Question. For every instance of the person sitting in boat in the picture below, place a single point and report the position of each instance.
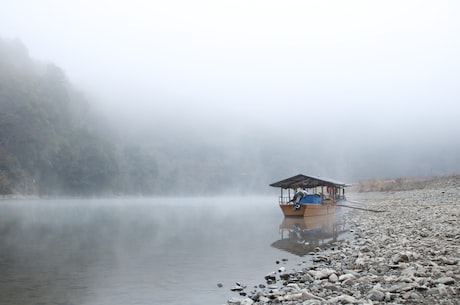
(299, 195)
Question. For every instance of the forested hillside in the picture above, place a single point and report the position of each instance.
(52, 143)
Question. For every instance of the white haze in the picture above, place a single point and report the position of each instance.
(379, 79)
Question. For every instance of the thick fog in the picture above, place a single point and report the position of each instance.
(345, 89)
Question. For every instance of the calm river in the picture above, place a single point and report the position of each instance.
(147, 251)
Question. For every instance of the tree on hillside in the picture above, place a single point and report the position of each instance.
(85, 165)
(41, 125)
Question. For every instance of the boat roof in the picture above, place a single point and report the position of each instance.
(304, 181)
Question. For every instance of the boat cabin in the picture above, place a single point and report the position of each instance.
(317, 189)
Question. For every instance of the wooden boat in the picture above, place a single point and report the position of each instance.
(311, 195)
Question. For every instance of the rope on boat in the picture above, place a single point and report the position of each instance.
(369, 210)
(359, 208)
(353, 201)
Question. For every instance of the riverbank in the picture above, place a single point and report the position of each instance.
(408, 254)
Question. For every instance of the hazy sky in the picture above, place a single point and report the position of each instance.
(357, 67)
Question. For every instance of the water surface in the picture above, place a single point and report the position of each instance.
(147, 251)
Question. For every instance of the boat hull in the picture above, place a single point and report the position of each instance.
(306, 210)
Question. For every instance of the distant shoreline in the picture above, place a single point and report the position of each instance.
(362, 186)
(18, 197)
(400, 183)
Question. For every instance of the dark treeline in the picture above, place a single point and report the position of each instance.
(53, 144)
(48, 143)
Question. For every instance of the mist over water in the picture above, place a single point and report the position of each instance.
(141, 251)
(343, 90)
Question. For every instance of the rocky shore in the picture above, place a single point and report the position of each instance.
(407, 254)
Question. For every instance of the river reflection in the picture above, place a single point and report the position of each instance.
(143, 251)
(302, 235)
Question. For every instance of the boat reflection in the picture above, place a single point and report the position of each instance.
(302, 235)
